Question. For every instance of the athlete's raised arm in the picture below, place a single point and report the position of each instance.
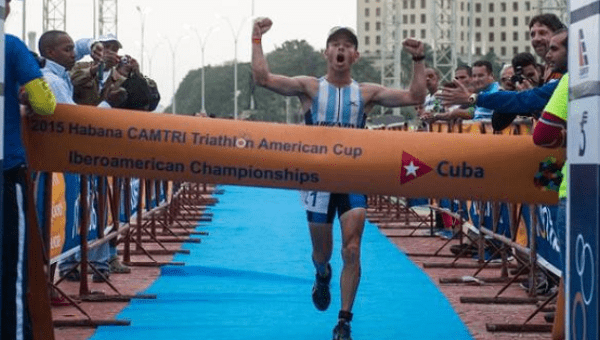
(284, 85)
(414, 95)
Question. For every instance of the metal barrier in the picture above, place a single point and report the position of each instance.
(394, 213)
(163, 213)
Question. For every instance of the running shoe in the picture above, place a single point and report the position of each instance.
(342, 331)
(320, 292)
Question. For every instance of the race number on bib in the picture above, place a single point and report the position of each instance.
(315, 201)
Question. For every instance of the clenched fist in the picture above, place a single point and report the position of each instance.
(414, 47)
(261, 26)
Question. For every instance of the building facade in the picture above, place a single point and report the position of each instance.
(499, 26)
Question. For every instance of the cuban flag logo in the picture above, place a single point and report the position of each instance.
(412, 168)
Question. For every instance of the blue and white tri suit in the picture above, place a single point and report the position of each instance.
(341, 107)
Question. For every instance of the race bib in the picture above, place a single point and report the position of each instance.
(315, 201)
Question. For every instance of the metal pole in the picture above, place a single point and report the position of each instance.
(174, 99)
(203, 110)
(235, 86)
(470, 48)
(24, 33)
(143, 19)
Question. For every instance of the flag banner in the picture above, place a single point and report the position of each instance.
(126, 143)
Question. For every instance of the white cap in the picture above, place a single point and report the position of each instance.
(110, 37)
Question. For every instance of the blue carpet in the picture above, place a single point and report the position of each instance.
(251, 278)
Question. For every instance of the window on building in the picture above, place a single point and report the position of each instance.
(462, 36)
(478, 50)
(423, 18)
(378, 11)
(462, 50)
(491, 36)
(423, 4)
(367, 26)
(528, 49)
(515, 50)
(477, 22)
(378, 26)
(527, 6)
(412, 4)
(502, 36)
(405, 19)
(491, 8)
(378, 40)
(412, 18)
(515, 36)
(366, 12)
(503, 51)
(515, 21)
(412, 33)
(492, 50)
(462, 21)
(405, 4)
(478, 7)
(404, 34)
(515, 6)
(367, 40)
(527, 36)
(491, 24)
(503, 22)
(503, 7)
(423, 34)
(478, 36)
(462, 6)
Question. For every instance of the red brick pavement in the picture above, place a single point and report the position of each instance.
(475, 316)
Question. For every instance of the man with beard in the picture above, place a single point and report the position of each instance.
(541, 29)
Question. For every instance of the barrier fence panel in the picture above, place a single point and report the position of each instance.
(530, 230)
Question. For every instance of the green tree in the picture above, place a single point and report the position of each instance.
(292, 58)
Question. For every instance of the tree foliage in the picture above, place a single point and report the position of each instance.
(293, 58)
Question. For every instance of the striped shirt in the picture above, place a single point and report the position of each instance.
(337, 106)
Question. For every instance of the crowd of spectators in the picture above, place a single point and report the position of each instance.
(524, 90)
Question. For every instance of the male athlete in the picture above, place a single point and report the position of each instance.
(337, 100)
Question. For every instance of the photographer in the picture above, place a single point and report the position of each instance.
(527, 72)
(114, 79)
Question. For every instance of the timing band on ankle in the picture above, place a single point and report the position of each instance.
(345, 315)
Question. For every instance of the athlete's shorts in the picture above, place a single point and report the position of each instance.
(321, 207)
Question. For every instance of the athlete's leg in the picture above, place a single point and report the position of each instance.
(353, 224)
(321, 236)
(322, 242)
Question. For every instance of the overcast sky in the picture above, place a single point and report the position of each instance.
(175, 19)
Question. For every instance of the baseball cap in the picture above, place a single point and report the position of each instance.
(347, 31)
(110, 37)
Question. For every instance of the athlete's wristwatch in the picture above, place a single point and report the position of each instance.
(473, 99)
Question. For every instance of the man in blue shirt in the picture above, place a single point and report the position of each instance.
(61, 53)
(483, 81)
(21, 69)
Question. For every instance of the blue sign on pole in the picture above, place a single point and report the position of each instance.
(583, 155)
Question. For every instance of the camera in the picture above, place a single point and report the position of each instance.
(518, 76)
(124, 60)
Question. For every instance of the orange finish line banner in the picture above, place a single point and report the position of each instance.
(125, 143)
